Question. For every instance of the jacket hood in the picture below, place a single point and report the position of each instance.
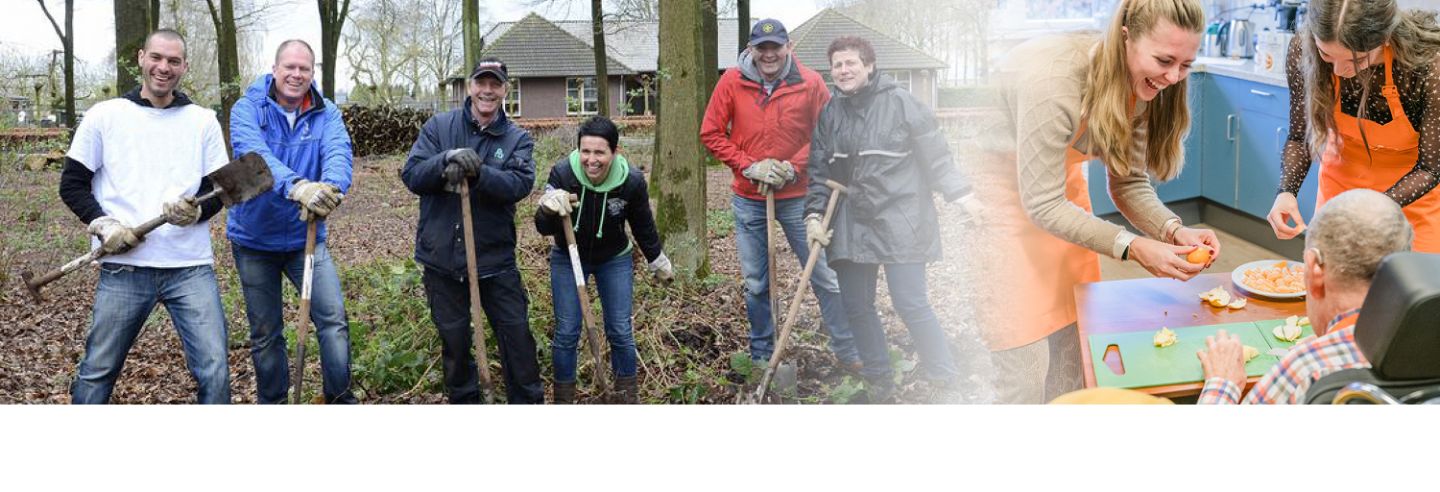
(619, 170)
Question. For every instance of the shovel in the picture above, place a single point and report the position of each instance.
(592, 338)
(304, 326)
(238, 181)
(477, 316)
(836, 189)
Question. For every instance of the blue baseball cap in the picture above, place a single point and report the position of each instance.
(768, 31)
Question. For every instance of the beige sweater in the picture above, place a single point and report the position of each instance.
(1040, 85)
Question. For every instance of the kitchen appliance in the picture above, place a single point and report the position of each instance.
(1237, 39)
(1287, 14)
(1212, 46)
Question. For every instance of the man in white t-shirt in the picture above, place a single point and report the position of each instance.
(134, 158)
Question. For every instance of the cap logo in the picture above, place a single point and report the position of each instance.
(767, 28)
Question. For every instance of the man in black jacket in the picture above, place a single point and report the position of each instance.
(476, 146)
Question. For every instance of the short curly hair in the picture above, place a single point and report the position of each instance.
(1355, 230)
(852, 43)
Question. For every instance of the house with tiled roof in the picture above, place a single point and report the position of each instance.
(552, 63)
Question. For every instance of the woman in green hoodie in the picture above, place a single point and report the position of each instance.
(596, 187)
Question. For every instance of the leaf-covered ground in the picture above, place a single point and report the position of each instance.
(688, 335)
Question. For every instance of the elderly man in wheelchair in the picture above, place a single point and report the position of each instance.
(1380, 304)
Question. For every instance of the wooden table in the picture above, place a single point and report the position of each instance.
(1120, 306)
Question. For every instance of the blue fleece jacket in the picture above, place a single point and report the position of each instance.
(317, 148)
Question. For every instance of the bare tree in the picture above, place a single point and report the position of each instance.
(438, 39)
(133, 21)
(679, 175)
(602, 69)
(742, 16)
(376, 48)
(470, 25)
(67, 37)
(332, 22)
(223, 19)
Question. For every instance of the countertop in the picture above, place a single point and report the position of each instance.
(1245, 70)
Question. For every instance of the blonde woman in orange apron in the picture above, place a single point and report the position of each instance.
(1069, 99)
(1365, 94)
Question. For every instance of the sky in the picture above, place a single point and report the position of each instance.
(25, 29)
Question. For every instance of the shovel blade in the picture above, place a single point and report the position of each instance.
(242, 179)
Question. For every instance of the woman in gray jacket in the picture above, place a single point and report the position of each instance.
(885, 147)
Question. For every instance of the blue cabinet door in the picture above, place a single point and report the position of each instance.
(1262, 136)
(1100, 202)
(1217, 135)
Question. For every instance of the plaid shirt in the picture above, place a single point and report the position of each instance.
(1302, 366)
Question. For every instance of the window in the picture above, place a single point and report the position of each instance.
(512, 101)
(1068, 9)
(901, 77)
(581, 96)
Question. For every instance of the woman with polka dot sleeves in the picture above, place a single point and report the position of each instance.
(1365, 94)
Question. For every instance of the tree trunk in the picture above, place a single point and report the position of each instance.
(470, 22)
(679, 177)
(133, 21)
(229, 60)
(70, 64)
(332, 22)
(742, 16)
(710, 47)
(154, 15)
(602, 70)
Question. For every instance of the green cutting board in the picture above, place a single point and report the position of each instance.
(1267, 328)
(1147, 365)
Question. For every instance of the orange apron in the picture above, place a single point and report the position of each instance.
(1036, 271)
(1394, 150)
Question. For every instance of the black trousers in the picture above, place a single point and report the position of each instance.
(503, 298)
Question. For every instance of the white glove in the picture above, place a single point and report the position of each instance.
(316, 200)
(766, 174)
(557, 202)
(815, 230)
(182, 212)
(661, 269)
(974, 211)
(115, 236)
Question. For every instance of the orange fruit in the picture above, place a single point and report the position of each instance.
(1200, 256)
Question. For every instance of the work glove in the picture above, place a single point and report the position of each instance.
(461, 164)
(786, 170)
(316, 200)
(182, 212)
(662, 269)
(815, 231)
(766, 175)
(115, 236)
(557, 202)
(974, 212)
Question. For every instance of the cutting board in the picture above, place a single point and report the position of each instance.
(1146, 365)
(1267, 328)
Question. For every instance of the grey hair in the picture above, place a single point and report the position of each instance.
(301, 42)
(1355, 230)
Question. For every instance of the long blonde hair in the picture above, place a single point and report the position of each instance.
(1106, 98)
(1359, 26)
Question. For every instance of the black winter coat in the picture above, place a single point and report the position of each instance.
(507, 176)
(886, 147)
(602, 237)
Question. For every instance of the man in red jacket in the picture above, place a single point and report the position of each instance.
(758, 123)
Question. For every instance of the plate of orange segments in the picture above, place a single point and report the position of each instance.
(1277, 279)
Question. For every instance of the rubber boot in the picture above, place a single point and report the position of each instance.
(565, 393)
(627, 390)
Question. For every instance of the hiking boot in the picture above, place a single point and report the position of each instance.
(879, 390)
(565, 393)
(627, 390)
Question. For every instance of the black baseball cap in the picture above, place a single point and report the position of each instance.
(492, 66)
(768, 31)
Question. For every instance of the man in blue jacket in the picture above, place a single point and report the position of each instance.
(300, 134)
(477, 146)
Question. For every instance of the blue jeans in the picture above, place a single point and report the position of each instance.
(750, 239)
(124, 298)
(909, 295)
(614, 279)
(260, 280)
